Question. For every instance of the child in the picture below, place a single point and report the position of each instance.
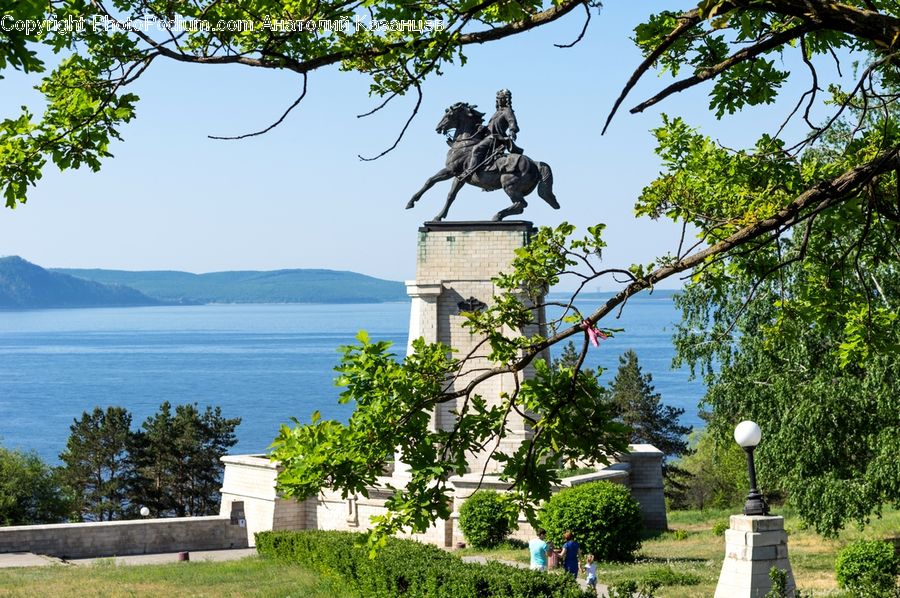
(590, 570)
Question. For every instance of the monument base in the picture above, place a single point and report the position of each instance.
(753, 546)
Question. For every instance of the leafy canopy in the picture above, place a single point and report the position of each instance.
(790, 273)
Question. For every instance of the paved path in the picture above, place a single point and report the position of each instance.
(27, 559)
(601, 589)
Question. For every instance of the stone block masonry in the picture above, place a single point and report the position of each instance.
(754, 544)
(456, 262)
(136, 536)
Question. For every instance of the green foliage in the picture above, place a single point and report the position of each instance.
(395, 400)
(716, 474)
(818, 344)
(633, 589)
(97, 464)
(787, 369)
(30, 490)
(408, 568)
(868, 568)
(639, 407)
(575, 471)
(172, 465)
(780, 586)
(680, 534)
(719, 527)
(604, 518)
(178, 460)
(667, 576)
(486, 518)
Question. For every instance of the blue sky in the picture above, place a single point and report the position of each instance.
(299, 197)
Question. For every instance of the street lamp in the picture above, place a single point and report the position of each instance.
(747, 434)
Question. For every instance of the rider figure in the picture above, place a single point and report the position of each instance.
(501, 134)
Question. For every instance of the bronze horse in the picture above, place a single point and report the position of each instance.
(516, 174)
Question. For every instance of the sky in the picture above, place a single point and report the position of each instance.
(299, 197)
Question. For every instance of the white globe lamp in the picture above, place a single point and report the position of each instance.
(747, 434)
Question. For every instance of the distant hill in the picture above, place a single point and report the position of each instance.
(277, 286)
(24, 285)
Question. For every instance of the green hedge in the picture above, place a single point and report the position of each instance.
(604, 518)
(870, 566)
(409, 569)
(485, 519)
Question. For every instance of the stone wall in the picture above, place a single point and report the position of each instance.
(455, 267)
(120, 538)
(456, 262)
(645, 480)
(250, 479)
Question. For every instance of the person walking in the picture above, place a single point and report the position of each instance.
(539, 549)
(590, 572)
(569, 554)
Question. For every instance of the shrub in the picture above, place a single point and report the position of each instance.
(408, 569)
(868, 565)
(715, 475)
(667, 576)
(680, 534)
(604, 517)
(630, 589)
(30, 490)
(486, 519)
(719, 527)
(780, 586)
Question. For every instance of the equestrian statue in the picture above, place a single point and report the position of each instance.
(488, 157)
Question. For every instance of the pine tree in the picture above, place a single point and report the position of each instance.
(179, 457)
(639, 406)
(155, 459)
(98, 466)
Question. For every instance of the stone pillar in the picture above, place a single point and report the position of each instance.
(753, 545)
(250, 480)
(455, 266)
(645, 480)
(423, 318)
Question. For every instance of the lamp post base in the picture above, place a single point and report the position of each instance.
(755, 504)
(753, 546)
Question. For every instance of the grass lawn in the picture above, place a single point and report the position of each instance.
(252, 576)
(688, 558)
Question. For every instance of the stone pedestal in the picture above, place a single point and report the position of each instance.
(455, 266)
(753, 545)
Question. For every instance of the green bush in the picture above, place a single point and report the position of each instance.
(719, 527)
(408, 569)
(715, 475)
(604, 518)
(31, 491)
(631, 589)
(868, 566)
(486, 519)
(667, 576)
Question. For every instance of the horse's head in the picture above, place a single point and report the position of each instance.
(460, 117)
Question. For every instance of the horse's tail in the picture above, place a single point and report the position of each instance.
(545, 186)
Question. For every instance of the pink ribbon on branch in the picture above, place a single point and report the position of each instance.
(593, 333)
